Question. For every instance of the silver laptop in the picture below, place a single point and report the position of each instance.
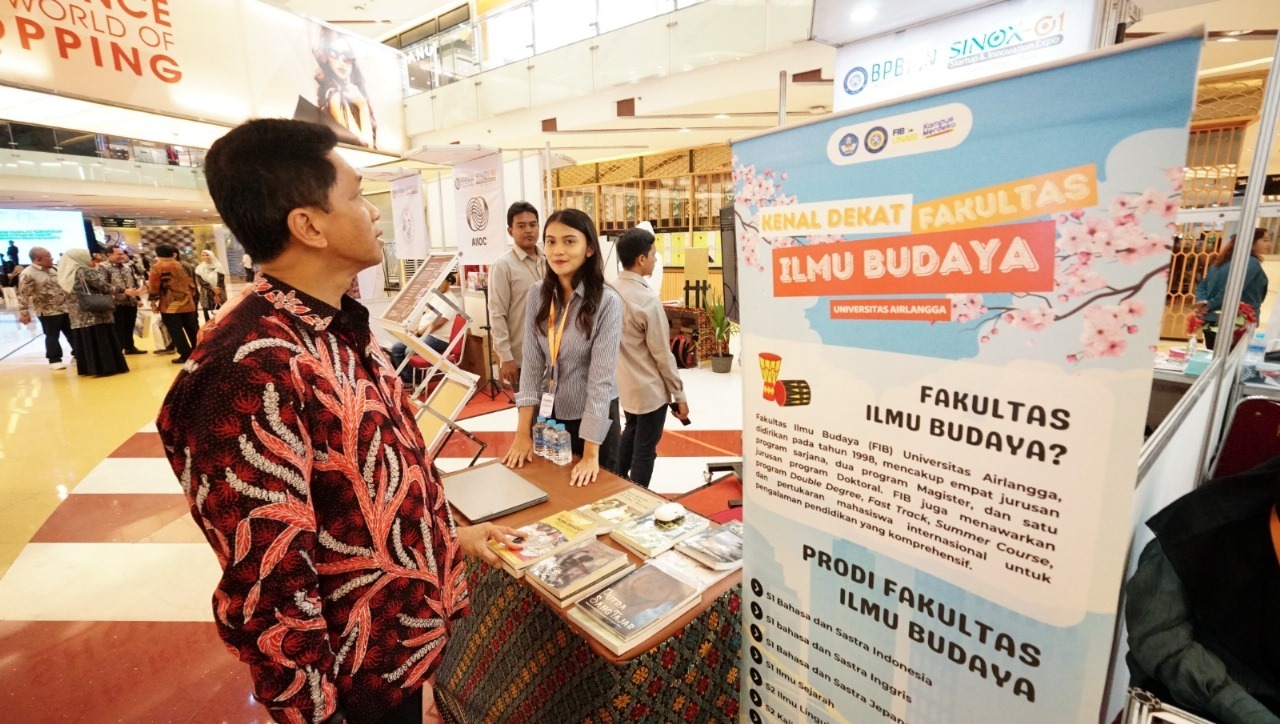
(490, 491)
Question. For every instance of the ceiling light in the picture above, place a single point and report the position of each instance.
(817, 110)
(684, 130)
(722, 116)
(1237, 32)
(863, 14)
(1228, 40)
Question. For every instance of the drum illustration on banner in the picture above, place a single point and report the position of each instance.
(787, 393)
(953, 322)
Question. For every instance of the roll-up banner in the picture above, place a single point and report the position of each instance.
(409, 210)
(949, 307)
(481, 213)
(173, 57)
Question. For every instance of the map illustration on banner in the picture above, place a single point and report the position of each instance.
(951, 305)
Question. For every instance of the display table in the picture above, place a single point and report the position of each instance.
(517, 657)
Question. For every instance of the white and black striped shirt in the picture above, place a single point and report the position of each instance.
(586, 371)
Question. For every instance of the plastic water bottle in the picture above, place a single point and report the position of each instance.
(539, 437)
(548, 439)
(564, 448)
(1254, 356)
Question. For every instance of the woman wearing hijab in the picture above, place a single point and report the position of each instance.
(212, 282)
(1203, 607)
(99, 352)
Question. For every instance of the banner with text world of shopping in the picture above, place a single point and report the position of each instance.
(949, 307)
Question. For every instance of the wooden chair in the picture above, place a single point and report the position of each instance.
(1253, 437)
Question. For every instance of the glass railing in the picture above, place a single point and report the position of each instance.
(37, 164)
(693, 35)
(521, 31)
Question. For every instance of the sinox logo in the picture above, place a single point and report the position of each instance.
(1016, 32)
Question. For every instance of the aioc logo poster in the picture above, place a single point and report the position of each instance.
(949, 308)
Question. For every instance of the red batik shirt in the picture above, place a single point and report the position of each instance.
(293, 439)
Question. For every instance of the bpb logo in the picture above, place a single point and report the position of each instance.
(855, 80)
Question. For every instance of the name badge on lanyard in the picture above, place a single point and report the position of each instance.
(554, 338)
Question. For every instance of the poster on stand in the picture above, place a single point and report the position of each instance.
(949, 310)
(408, 211)
(480, 211)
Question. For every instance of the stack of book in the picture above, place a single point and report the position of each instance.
(608, 513)
(647, 537)
(545, 538)
(719, 548)
(571, 576)
(622, 615)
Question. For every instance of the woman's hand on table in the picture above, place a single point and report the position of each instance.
(585, 471)
(474, 541)
(520, 452)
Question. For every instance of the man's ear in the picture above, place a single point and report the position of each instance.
(306, 224)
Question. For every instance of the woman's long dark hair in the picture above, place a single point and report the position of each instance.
(1224, 256)
(590, 275)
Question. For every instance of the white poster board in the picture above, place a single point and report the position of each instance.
(409, 217)
(972, 45)
(480, 210)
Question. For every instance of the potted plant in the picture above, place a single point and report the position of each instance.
(722, 328)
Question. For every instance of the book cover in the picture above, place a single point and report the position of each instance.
(690, 570)
(568, 571)
(640, 600)
(648, 537)
(608, 513)
(545, 538)
(609, 639)
(587, 590)
(719, 548)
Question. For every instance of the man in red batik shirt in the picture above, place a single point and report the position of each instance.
(294, 441)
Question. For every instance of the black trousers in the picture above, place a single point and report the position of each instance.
(52, 326)
(640, 445)
(126, 316)
(608, 448)
(183, 327)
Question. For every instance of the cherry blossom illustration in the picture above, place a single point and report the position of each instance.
(1086, 245)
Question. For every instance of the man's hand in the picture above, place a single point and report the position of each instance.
(510, 373)
(24, 317)
(682, 411)
(474, 541)
(520, 452)
(1201, 308)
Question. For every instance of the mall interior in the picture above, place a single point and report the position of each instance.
(624, 110)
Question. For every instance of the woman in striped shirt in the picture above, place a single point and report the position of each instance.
(571, 350)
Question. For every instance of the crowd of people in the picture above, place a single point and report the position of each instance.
(93, 300)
